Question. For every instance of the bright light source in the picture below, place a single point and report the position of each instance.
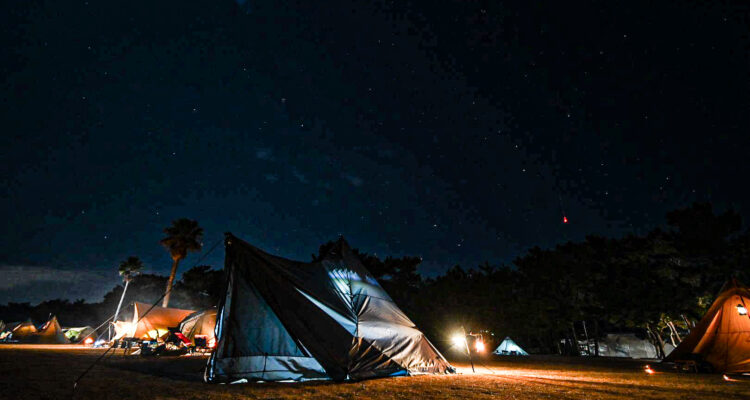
(89, 341)
(459, 340)
(479, 345)
(741, 309)
(648, 370)
(726, 378)
(565, 219)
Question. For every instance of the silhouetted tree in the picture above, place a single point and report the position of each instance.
(183, 236)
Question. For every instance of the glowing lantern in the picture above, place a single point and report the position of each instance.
(89, 341)
(565, 219)
(458, 340)
(648, 370)
(741, 309)
(479, 345)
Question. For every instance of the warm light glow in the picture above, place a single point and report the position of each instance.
(726, 378)
(479, 345)
(89, 341)
(648, 369)
(212, 343)
(741, 309)
(565, 219)
(459, 340)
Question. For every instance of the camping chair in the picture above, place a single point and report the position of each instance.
(201, 344)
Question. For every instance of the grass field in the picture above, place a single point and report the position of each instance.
(33, 372)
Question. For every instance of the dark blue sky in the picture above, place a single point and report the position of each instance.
(458, 132)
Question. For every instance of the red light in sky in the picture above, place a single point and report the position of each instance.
(565, 219)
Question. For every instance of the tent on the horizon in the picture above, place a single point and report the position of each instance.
(330, 319)
(151, 324)
(200, 324)
(509, 348)
(23, 331)
(50, 333)
(722, 337)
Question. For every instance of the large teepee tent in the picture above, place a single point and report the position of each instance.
(150, 324)
(288, 320)
(722, 337)
(509, 348)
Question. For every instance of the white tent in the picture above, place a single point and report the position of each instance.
(509, 348)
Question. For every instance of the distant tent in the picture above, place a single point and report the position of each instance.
(200, 324)
(289, 320)
(23, 332)
(628, 345)
(78, 335)
(722, 337)
(50, 333)
(6, 332)
(153, 324)
(509, 348)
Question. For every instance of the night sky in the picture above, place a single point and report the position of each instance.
(458, 131)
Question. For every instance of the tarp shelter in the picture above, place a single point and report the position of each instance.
(627, 345)
(150, 324)
(289, 320)
(722, 337)
(78, 335)
(200, 324)
(50, 333)
(509, 348)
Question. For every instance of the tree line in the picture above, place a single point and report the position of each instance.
(656, 284)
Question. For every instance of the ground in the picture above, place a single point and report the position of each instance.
(39, 372)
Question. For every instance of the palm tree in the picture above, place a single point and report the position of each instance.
(183, 235)
(128, 269)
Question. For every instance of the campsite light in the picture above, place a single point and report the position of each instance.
(459, 340)
(741, 309)
(648, 369)
(479, 345)
(565, 219)
(89, 341)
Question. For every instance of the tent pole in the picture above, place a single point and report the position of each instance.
(117, 312)
(468, 350)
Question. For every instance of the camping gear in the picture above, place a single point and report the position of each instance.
(329, 319)
(152, 324)
(200, 324)
(722, 337)
(509, 348)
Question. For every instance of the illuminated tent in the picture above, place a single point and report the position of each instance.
(23, 332)
(509, 348)
(722, 337)
(153, 324)
(78, 335)
(289, 320)
(50, 333)
(200, 324)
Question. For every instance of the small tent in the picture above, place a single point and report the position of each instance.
(722, 337)
(150, 324)
(509, 348)
(329, 319)
(200, 324)
(78, 335)
(50, 333)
